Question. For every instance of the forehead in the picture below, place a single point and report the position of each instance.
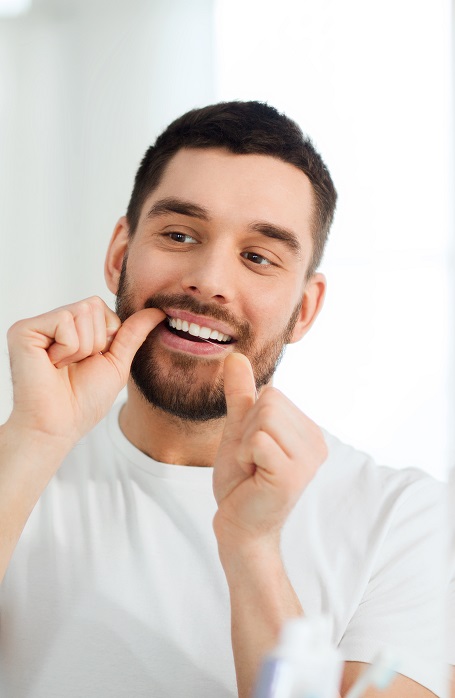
(239, 188)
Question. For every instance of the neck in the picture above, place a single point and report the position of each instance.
(166, 438)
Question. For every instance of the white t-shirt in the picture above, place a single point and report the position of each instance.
(116, 589)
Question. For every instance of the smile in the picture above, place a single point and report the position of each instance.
(183, 327)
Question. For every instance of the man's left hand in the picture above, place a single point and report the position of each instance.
(268, 454)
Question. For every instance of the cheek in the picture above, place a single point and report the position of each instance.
(266, 317)
(272, 315)
(149, 275)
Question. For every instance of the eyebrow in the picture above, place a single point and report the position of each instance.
(187, 208)
(173, 205)
(278, 233)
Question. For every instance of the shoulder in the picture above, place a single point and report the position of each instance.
(361, 502)
(354, 471)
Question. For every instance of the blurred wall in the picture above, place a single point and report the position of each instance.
(85, 87)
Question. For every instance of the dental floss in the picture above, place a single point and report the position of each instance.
(303, 665)
(215, 344)
(380, 674)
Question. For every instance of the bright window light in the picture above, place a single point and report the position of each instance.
(13, 8)
(370, 83)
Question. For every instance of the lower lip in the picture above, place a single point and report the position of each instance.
(173, 341)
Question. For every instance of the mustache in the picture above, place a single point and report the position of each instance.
(184, 302)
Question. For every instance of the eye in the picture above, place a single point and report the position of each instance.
(257, 259)
(181, 237)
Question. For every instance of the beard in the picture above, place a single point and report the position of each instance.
(178, 391)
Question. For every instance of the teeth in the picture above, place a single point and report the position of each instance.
(197, 331)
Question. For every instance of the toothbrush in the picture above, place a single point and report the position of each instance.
(379, 674)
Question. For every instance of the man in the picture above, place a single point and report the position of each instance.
(119, 584)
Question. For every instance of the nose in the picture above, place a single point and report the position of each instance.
(209, 275)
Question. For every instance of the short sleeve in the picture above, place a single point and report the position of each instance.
(403, 607)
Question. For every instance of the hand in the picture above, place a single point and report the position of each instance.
(268, 454)
(69, 365)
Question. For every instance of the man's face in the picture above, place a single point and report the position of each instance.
(222, 246)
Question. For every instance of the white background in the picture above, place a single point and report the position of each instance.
(370, 82)
(86, 86)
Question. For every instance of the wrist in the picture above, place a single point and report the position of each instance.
(257, 579)
(250, 556)
(32, 445)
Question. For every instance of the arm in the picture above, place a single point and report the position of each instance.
(258, 477)
(268, 454)
(63, 385)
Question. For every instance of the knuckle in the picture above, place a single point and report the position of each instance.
(259, 440)
(270, 393)
(15, 329)
(96, 302)
(267, 413)
(99, 344)
(65, 317)
(83, 349)
(84, 308)
(72, 345)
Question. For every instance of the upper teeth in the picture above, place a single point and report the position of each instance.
(197, 330)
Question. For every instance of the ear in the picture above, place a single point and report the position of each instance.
(115, 254)
(312, 302)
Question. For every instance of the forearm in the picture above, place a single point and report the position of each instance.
(27, 463)
(262, 598)
(268, 454)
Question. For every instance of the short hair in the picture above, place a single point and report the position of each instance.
(242, 128)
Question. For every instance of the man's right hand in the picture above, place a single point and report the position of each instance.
(69, 365)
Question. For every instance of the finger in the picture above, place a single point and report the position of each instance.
(298, 437)
(66, 339)
(32, 339)
(131, 336)
(105, 326)
(239, 389)
(83, 323)
(264, 453)
(67, 334)
(96, 325)
(276, 415)
(111, 322)
(274, 470)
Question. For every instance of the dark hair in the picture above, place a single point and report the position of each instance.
(242, 128)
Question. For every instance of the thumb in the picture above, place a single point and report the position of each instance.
(239, 390)
(131, 335)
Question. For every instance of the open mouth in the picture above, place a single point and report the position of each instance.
(196, 333)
